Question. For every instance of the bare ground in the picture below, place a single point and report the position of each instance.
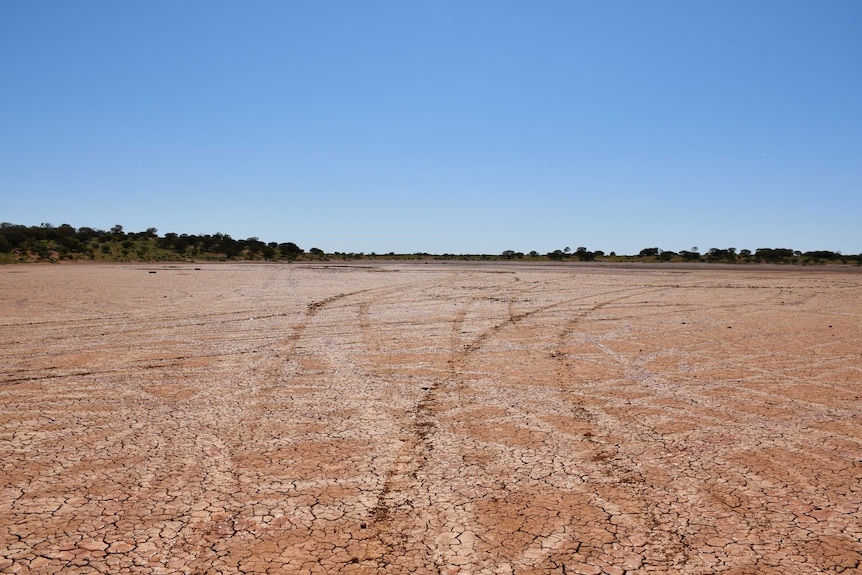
(426, 418)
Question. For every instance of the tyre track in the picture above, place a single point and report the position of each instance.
(393, 513)
(748, 518)
(399, 517)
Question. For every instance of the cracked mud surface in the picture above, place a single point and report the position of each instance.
(410, 418)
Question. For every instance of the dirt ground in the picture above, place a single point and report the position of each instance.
(430, 418)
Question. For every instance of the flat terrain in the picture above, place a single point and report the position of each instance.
(430, 418)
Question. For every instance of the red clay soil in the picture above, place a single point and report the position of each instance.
(427, 418)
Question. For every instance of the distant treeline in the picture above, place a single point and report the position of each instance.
(47, 242)
(54, 243)
(713, 255)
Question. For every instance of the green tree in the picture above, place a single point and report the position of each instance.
(584, 255)
(689, 256)
(290, 248)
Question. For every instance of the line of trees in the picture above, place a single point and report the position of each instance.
(48, 242)
(713, 255)
(760, 255)
(581, 254)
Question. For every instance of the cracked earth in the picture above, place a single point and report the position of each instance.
(430, 418)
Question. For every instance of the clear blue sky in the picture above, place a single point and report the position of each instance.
(459, 127)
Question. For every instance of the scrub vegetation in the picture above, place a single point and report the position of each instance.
(46, 242)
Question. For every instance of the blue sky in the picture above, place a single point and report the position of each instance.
(442, 127)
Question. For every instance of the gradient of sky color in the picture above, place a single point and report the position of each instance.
(441, 127)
